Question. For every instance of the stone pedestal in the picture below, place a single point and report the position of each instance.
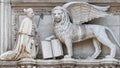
(107, 63)
(48, 64)
(88, 63)
(26, 63)
(30, 63)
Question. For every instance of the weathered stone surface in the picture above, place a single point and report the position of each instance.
(46, 27)
(16, 15)
(61, 64)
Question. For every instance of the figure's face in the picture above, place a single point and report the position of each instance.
(57, 15)
(30, 14)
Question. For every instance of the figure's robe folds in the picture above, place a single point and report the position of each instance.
(24, 47)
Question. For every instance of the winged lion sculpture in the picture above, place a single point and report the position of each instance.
(68, 19)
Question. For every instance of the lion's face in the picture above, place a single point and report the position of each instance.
(57, 15)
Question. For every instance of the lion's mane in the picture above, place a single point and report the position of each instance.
(62, 28)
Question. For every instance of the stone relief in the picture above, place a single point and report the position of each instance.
(69, 28)
(49, 48)
(25, 46)
(12, 15)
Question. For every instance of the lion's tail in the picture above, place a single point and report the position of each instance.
(113, 36)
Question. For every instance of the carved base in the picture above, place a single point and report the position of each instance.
(30, 63)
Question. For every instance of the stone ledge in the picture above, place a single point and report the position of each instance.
(61, 63)
(8, 63)
(54, 3)
(100, 1)
(56, 62)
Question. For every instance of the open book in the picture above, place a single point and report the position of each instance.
(51, 48)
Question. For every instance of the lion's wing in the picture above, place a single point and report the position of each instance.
(82, 12)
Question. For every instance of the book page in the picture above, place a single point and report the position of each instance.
(57, 48)
(46, 49)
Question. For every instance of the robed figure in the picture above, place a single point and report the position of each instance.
(25, 47)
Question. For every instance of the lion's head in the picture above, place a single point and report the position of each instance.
(60, 15)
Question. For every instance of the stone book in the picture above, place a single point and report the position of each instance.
(51, 48)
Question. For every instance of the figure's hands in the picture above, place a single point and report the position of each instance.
(50, 38)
